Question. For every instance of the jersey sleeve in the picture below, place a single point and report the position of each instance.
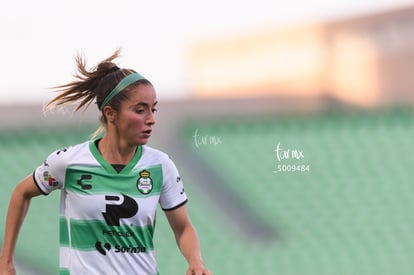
(49, 176)
(172, 193)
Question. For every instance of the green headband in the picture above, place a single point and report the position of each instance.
(125, 82)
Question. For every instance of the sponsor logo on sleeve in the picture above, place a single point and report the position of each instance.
(51, 181)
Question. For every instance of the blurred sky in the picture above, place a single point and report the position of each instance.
(39, 39)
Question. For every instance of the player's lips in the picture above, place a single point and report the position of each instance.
(147, 133)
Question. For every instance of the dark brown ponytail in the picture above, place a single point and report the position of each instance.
(88, 84)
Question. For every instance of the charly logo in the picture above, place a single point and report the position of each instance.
(182, 189)
(63, 150)
(144, 183)
(126, 208)
(82, 183)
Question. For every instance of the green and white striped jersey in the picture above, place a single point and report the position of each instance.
(107, 219)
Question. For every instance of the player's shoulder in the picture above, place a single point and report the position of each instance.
(69, 152)
(148, 151)
(154, 155)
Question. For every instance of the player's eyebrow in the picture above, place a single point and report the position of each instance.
(145, 104)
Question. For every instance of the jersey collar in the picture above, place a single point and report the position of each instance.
(108, 167)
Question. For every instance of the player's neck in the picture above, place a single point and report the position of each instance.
(115, 152)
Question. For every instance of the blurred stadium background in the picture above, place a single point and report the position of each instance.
(296, 158)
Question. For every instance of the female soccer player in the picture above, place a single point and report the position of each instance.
(110, 186)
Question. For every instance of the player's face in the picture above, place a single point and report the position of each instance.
(136, 118)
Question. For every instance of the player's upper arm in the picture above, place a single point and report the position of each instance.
(178, 219)
(28, 188)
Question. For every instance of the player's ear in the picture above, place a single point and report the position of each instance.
(109, 113)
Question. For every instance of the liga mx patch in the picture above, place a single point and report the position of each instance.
(144, 183)
(51, 181)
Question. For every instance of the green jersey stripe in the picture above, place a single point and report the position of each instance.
(95, 180)
(64, 271)
(84, 235)
(63, 231)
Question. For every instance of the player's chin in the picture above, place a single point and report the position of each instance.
(142, 140)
